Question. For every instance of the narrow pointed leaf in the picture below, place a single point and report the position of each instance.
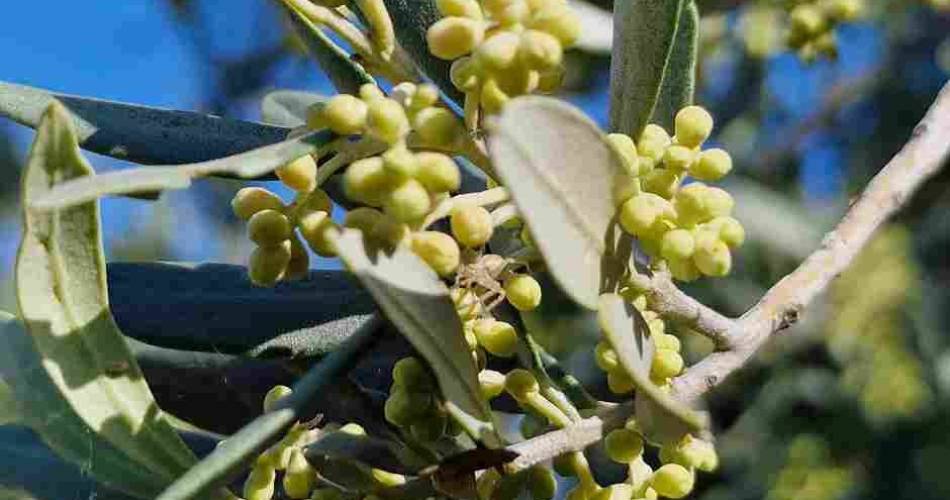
(288, 108)
(627, 332)
(141, 134)
(411, 21)
(560, 171)
(248, 165)
(679, 81)
(644, 33)
(345, 73)
(418, 303)
(372, 451)
(239, 450)
(41, 406)
(63, 300)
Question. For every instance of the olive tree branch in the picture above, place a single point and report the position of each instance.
(921, 157)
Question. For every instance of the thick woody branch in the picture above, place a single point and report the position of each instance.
(673, 304)
(923, 156)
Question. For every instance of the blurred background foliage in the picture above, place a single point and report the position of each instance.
(852, 403)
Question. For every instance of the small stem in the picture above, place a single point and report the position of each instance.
(335, 21)
(483, 199)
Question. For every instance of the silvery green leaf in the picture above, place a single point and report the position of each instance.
(42, 407)
(418, 303)
(560, 172)
(679, 81)
(248, 165)
(411, 20)
(644, 32)
(63, 300)
(288, 108)
(597, 31)
(372, 451)
(8, 411)
(215, 308)
(345, 73)
(140, 134)
(627, 332)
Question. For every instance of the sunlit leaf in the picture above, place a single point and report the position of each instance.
(418, 303)
(288, 108)
(560, 171)
(627, 332)
(644, 34)
(137, 133)
(63, 300)
(679, 81)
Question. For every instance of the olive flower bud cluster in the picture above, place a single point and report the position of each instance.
(686, 226)
(279, 230)
(503, 48)
(812, 25)
(412, 404)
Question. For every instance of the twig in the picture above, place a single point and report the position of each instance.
(923, 156)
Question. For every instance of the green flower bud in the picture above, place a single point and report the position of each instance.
(627, 150)
(472, 225)
(564, 465)
(713, 164)
(362, 218)
(672, 481)
(618, 491)
(426, 95)
(386, 120)
(353, 429)
(493, 98)
(666, 363)
(678, 158)
(677, 244)
(300, 477)
(369, 92)
(698, 454)
(438, 250)
(453, 37)
(520, 383)
(260, 483)
(396, 410)
(344, 114)
(367, 181)
(460, 8)
(492, 383)
(606, 357)
(267, 264)
(410, 372)
(403, 93)
(388, 479)
(506, 12)
(390, 231)
(625, 186)
(251, 200)
(665, 341)
(558, 20)
(408, 202)
(541, 483)
(807, 21)
(550, 81)
(523, 292)
(713, 260)
(400, 162)
(487, 482)
(844, 10)
(300, 174)
(498, 52)
(662, 182)
(639, 214)
(518, 80)
(317, 201)
(268, 228)
(540, 51)
(497, 337)
(274, 395)
(623, 446)
(730, 231)
(693, 126)
(619, 382)
(429, 428)
(438, 127)
(653, 142)
(318, 229)
(438, 172)
(465, 74)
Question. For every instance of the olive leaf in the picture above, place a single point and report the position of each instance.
(249, 165)
(137, 133)
(345, 73)
(411, 21)
(644, 34)
(288, 108)
(372, 451)
(418, 303)
(61, 292)
(560, 171)
(628, 334)
(679, 80)
(240, 449)
(596, 33)
(40, 405)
